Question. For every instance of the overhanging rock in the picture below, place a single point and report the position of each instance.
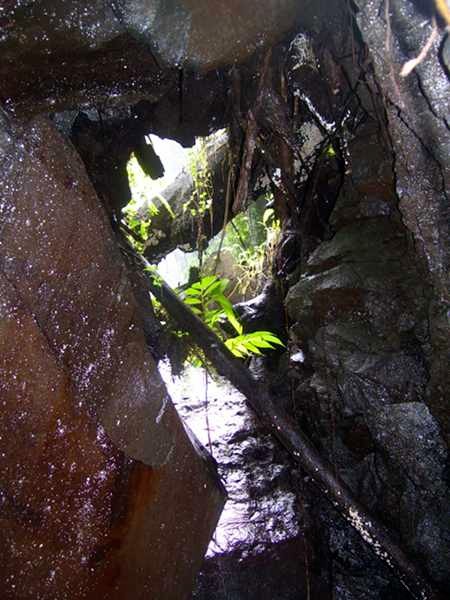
(206, 34)
(121, 52)
(102, 493)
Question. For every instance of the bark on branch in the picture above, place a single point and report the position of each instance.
(372, 531)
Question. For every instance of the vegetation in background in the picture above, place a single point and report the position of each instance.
(137, 220)
(207, 299)
(137, 227)
(201, 198)
(200, 201)
(249, 238)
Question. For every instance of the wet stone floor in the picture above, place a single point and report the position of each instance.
(258, 533)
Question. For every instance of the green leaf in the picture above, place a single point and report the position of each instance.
(213, 317)
(269, 337)
(232, 347)
(213, 291)
(152, 210)
(207, 281)
(252, 347)
(262, 343)
(207, 299)
(223, 284)
(251, 343)
(229, 313)
(192, 300)
(192, 292)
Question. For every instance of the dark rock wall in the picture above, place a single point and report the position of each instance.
(370, 307)
(206, 34)
(360, 315)
(60, 54)
(418, 119)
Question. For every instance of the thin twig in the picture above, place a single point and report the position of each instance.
(239, 236)
(128, 231)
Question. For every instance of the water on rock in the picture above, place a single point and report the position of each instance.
(259, 526)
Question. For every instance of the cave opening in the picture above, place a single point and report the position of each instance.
(261, 511)
(224, 260)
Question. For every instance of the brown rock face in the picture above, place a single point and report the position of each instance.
(102, 495)
(59, 55)
(225, 31)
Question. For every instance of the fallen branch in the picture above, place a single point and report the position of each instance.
(373, 532)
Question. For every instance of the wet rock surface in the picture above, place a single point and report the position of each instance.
(94, 459)
(360, 318)
(418, 116)
(278, 573)
(139, 45)
(258, 549)
(368, 299)
(264, 312)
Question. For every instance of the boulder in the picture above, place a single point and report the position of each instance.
(103, 494)
(360, 317)
(121, 52)
(418, 117)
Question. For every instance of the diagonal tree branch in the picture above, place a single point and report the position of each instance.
(372, 531)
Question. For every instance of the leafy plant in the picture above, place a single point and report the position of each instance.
(252, 262)
(250, 241)
(166, 205)
(138, 226)
(207, 299)
(155, 276)
(201, 198)
(252, 343)
(137, 220)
